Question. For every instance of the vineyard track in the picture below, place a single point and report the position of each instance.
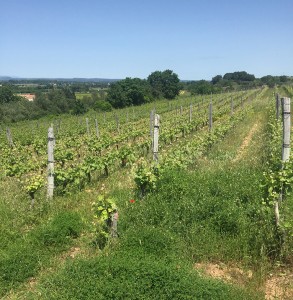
(242, 149)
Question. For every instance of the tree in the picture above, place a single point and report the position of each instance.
(239, 76)
(201, 87)
(6, 95)
(79, 108)
(164, 84)
(129, 91)
(283, 78)
(270, 80)
(102, 105)
(217, 79)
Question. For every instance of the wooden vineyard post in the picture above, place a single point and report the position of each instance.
(156, 138)
(210, 116)
(9, 137)
(51, 142)
(87, 126)
(97, 128)
(286, 110)
(278, 106)
(181, 110)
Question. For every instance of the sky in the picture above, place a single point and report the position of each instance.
(133, 38)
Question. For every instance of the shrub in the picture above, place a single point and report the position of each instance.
(102, 105)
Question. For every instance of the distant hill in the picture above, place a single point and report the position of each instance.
(8, 78)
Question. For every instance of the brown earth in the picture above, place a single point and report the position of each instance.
(245, 143)
(278, 286)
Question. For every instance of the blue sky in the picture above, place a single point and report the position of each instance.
(133, 38)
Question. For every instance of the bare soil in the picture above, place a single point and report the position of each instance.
(278, 286)
(242, 149)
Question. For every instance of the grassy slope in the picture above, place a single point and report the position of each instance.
(204, 214)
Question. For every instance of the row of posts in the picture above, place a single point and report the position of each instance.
(154, 133)
(58, 124)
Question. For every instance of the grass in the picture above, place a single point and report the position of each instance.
(146, 277)
(23, 258)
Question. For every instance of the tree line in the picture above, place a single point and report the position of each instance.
(60, 98)
(233, 81)
(136, 91)
(15, 108)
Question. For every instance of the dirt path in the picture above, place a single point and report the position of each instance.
(277, 286)
(242, 149)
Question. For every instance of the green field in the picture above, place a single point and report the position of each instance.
(79, 96)
(198, 225)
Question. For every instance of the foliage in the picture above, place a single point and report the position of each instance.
(278, 184)
(201, 87)
(102, 105)
(15, 108)
(217, 79)
(6, 95)
(79, 108)
(146, 176)
(34, 184)
(130, 91)
(239, 76)
(272, 81)
(103, 211)
(164, 84)
(126, 154)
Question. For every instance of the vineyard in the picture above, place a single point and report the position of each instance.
(209, 196)
(84, 153)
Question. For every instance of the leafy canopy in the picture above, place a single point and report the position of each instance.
(164, 84)
(6, 95)
(129, 91)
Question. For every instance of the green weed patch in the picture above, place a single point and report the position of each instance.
(128, 275)
(24, 258)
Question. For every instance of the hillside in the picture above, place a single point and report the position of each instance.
(197, 225)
